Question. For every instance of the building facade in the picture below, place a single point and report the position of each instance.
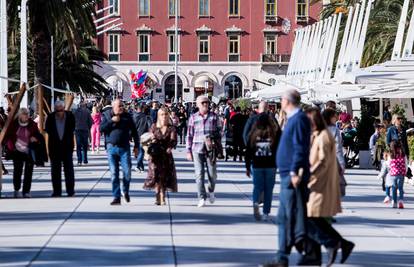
(226, 48)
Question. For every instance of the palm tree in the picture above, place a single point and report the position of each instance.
(382, 27)
(71, 24)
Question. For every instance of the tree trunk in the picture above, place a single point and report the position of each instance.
(41, 51)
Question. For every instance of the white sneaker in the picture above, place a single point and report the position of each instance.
(394, 204)
(137, 170)
(201, 203)
(387, 200)
(16, 194)
(266, 217)
(27, 195)
(211, 198)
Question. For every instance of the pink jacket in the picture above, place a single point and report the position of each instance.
(96, 119)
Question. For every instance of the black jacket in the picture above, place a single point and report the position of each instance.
(142, 122)
(119, 133)
(56, 146)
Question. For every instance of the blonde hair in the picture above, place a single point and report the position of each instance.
(161, 110)
(394, 118)
(94, 110)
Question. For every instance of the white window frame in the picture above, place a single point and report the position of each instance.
(116, 10)
(169, 8)
(267, 41)
(199, 8)
(139, 9)
(118, 45)
(208, 47)
(171, 38)
(229, 53)
(148, 36)
(270, 17)
(305, 17)
(237, 2)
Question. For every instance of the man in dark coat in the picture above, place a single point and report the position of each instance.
(60, 126)
(118, 127)
(293, 163)
(263, 107)
(143, 123)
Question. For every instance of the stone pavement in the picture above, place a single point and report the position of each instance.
(87, 231)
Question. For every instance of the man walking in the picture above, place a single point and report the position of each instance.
(203, 146)
(118, 127)
(142, 123)
(83, 124)
(293, 162)
(60, 126)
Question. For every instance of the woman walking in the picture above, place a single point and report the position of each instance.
(182, 127)
(161, 168)
(325, 195)
(22, 133)
(261, 162)
(95, 132)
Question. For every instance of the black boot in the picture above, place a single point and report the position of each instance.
(346, 247)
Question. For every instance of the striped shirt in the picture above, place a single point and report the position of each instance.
(198, 128)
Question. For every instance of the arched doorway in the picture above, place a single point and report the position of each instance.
(233, 87)
(169, 88)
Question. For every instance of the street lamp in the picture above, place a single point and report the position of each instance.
(206, 84)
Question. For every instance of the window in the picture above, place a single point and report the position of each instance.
(171, 8)
(234, 48)
(302, 10)
(143, 47)
(270, 10)
(144, 8)
(234, 7)
(115, 7)
(270, 45)
(113, 54)
(172, 47)
(204, 48)
(203, 8)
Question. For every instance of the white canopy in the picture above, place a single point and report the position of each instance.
(272, 92)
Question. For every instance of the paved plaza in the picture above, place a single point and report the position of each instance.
(87, 231)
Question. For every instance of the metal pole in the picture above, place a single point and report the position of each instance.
(176, 52)
(23, 49)
(3, 52)
(52, 73)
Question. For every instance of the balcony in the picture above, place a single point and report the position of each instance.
(302, 18)
(275, 59)
(271, 18)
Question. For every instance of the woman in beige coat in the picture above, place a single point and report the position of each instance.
(324, 185)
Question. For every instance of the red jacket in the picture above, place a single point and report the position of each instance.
(11, 137)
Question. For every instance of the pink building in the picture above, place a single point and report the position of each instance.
(226, 47)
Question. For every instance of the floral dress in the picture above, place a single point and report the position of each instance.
(161, 171)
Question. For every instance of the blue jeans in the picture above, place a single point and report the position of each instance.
(398, 183)
(82, 143)
(119, 155)
(203, 164)
(140, 158)
(263, 181)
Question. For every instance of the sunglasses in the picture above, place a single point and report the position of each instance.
(205, 102)
(399, 118)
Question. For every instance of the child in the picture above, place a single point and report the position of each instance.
(398, 168)
(385, 169)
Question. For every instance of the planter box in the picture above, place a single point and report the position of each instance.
(365, 160)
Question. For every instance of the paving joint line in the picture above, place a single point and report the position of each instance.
(172, 232)
(65, 220)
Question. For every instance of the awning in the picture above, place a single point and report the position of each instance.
(200, 82)
(273, 92)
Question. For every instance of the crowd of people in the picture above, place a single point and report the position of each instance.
(308, 146)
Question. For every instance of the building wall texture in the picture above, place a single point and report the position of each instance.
(251, 23)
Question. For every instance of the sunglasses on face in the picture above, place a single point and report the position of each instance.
(204, 102)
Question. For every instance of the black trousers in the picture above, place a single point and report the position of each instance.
(322, 231)
(21, 160)
(56, 164)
